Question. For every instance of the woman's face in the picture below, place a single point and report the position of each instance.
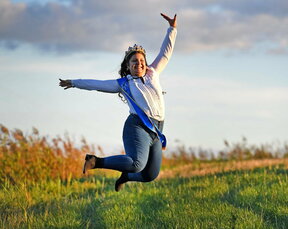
(137, 65)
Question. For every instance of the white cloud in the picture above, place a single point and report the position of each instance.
(111, 25)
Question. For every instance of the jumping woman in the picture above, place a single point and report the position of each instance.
(142, 134)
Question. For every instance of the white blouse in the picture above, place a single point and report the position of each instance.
(148, 95)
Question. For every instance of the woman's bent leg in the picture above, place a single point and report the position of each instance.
(137, 142)
(152, 168)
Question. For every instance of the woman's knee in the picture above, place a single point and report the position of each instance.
(150, 176)
(137, 167)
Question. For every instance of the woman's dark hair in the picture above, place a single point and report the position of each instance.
(124, 70)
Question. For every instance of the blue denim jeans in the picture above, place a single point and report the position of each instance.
(143, 151)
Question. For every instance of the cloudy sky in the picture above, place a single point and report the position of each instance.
(228, 77)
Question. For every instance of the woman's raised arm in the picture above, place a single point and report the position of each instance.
(167, 46)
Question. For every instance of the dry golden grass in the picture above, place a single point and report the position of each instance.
(204, 168)
(33, 158)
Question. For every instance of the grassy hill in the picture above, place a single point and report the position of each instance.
(255, 198)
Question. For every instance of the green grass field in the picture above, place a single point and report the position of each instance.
(239, 199)
(41, 186)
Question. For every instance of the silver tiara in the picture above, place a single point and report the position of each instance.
(135, 48)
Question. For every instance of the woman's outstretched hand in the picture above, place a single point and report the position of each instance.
(65, 83)
(172, 21)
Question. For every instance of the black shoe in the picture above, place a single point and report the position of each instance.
(121, 181)
(90, 162)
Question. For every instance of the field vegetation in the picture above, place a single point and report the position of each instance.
(41, 186)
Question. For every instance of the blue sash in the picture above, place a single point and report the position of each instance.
(123, 83)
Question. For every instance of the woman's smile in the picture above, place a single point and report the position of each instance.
(137, 65)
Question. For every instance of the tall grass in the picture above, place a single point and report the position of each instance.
(32, 157)
(37, 158)
(238, 151)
